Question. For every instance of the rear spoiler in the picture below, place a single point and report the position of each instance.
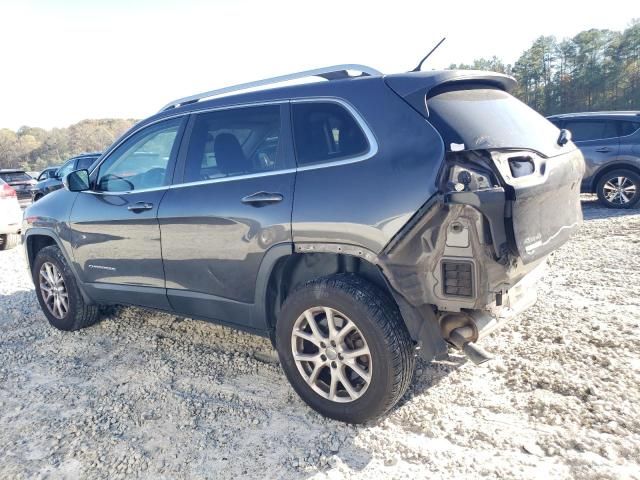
(414, 87)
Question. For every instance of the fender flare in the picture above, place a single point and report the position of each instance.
(40, 231)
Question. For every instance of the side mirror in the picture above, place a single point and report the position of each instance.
(564, 137)
(77, 181)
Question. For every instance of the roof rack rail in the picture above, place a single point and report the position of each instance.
(334, 72)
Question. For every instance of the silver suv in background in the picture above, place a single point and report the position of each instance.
(610, 143)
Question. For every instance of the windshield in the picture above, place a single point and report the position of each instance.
(484, 118)
(15, 177)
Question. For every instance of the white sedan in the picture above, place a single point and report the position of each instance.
(10, 217)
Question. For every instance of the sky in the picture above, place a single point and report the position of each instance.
(63, 61)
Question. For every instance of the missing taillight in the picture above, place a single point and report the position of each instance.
(521, 166)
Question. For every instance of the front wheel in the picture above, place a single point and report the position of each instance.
(58, 293)
(344, 348)
(619, 189)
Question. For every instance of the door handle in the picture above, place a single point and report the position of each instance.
(603, 149)
(140, 206)
(262, 198)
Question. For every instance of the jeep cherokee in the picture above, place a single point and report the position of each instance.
(358, 222)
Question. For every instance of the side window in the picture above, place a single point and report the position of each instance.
(325, 132)
(66, 169)
(141, 161)
(233, 142)
(582, 130)
(627, 128)
(85, 163)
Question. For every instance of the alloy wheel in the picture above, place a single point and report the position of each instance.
(331, 354)
(619, 190)
(53, 290)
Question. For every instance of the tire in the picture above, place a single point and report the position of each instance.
(607, 184)
(376, 327)
(77, 314)
(9, 241)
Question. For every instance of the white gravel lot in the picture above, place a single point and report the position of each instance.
(153, 396)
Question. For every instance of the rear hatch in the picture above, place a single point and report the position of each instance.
(540, 178)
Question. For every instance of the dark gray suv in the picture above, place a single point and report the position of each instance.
(357, 222)
(610, 143)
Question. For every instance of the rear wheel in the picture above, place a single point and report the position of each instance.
(344, 348)
(58, 293)
(9, 241)
(619, 189)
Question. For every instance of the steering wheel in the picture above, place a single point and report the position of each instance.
(109, 176)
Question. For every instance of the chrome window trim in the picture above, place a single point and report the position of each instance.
(111, 149)
(199, 182)
(371, 139)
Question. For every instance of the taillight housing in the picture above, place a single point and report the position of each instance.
(7, 191)
(462, 178)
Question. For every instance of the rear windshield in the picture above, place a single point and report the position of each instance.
(15, 177)
(483, 118)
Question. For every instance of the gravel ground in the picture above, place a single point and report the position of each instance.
(154, 396)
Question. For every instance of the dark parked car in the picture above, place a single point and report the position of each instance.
(21, 182)
(610, 143)
(53, 181)
(49, 172)
(357, 222)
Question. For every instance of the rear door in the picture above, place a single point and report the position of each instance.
(231, 202)
(114, 230)
(598, 141)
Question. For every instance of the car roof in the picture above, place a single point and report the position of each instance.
(12, 170)
(83, 155)
(619, 115)
(402, 82)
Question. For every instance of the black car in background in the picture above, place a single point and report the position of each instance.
(53, 180)
(21, 182)
(49, 172)
(610, 143)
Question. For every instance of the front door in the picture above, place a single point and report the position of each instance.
(598, 141)
(232, 204)
(114, 228)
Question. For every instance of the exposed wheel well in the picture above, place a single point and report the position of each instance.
(35, 243)
(298, 268)
(610, 168)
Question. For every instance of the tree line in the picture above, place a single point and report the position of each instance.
(34, 149)
(595, 70)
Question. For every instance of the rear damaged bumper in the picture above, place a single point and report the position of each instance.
(473, 257)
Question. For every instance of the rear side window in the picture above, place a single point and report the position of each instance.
(15, 177)
(583, 130)
(627, 128)
(325, 132)
(85, 163)
(476, 118)
(234, 142)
